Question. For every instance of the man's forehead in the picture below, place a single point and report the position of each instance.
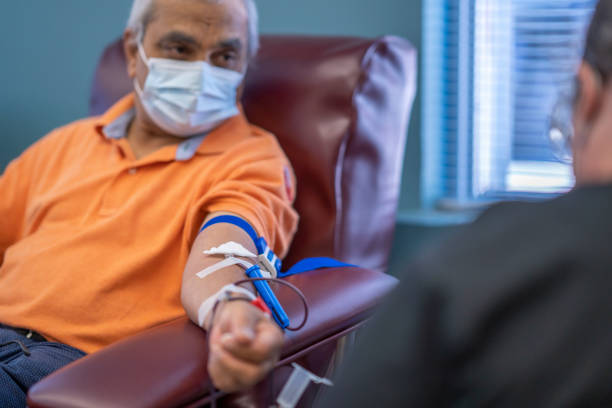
(224, 15)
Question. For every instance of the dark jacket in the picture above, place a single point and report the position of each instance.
(514, 310)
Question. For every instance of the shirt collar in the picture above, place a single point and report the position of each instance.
(114, 124)
(118, 128)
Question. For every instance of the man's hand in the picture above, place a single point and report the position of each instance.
(244, 346)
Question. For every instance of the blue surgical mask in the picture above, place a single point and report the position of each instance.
(188, 98)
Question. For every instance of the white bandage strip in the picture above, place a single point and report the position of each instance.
(207, 305)
(230, 261)
(231, 249)
(267, 265)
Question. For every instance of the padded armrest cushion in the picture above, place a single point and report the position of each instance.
(166, 366)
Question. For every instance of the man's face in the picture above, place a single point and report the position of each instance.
(215, 31)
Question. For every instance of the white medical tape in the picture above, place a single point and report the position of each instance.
(231, 249)
(229, 261)
(268, 267)
(207, 305)
(295, 386)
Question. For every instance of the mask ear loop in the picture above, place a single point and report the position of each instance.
(145, 60)
(142, 54)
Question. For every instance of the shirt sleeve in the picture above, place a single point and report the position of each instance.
(258, 186)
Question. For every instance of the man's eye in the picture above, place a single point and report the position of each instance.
(177, 51)
(225, 59)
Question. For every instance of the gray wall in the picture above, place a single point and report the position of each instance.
(50, 49)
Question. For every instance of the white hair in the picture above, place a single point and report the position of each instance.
(142, 10)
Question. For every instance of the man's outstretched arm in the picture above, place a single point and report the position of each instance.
(244, 342)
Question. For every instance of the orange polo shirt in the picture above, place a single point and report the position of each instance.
(93, 242)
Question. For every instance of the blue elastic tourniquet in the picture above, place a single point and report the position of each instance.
(263, 288)
(268, 296)
(312, 264)
(237, 221)
(305, 265)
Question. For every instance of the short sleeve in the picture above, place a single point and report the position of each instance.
(259, 186)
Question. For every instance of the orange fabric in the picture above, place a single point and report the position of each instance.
(93, 242)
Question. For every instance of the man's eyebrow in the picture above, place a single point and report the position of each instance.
(179, 37)
(234, 43)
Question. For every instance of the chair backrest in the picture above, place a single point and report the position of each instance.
(340, 109)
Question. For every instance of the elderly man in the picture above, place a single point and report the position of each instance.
(514, 310)
(100, 221)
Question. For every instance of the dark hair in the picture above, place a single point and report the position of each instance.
(598, 47)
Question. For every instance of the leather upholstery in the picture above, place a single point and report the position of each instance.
(166, 366)
(340, 109)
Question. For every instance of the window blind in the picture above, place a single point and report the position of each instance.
(492, 72)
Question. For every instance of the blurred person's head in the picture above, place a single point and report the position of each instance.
(592, 140)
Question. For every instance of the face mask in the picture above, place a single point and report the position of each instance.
(187, 98)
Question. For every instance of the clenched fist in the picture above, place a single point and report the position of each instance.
(244, 343)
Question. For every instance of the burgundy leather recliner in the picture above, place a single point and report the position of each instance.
(340, 108)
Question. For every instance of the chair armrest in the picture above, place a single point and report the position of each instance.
(166, 366)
